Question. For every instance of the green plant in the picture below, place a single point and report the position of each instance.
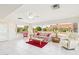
(19, 29)
(44, 29)
(38, 28)
(22, 29)
(25, 28)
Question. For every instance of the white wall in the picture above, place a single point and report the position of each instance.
(12, 30)
(3, 31)
(78, 28)
(7, 30)
(71, 19)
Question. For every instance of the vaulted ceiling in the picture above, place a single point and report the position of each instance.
(38, 12)
(6, 9)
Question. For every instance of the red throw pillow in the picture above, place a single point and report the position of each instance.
(48, 35)
(38, 33)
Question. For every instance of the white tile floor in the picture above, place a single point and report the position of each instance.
(19, 47)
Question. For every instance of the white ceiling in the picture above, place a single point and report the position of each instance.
(6, 9)
(43, 11)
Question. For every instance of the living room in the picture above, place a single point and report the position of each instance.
(40, 29)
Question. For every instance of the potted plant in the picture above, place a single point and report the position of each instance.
(38, 28)
(56, 39)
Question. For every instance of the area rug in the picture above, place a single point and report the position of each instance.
(37, 43)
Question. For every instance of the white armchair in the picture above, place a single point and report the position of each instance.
(70, 42)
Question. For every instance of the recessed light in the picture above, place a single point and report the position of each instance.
(20, 18)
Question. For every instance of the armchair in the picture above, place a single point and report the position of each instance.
(70, 42)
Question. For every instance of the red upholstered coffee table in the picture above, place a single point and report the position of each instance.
(36, 42)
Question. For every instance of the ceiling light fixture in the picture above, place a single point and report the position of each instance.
(31, 15)
(55, 6)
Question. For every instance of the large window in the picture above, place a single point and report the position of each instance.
(60, 27)
(63, 27)
(22, 28)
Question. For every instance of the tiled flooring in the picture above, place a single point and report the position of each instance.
(19, 47)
